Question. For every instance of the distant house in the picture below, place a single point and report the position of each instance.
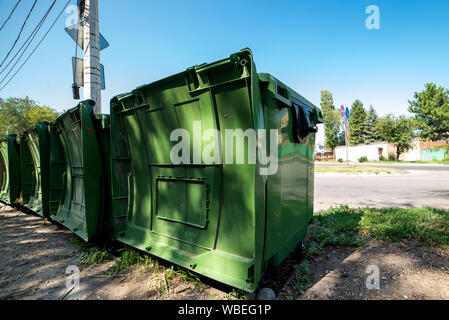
(323, 154)
(412, 154)
(373, 151)
(426, 151)
(421, 150)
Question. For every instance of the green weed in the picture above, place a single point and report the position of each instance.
(130, 257)
(238, 294)
(94, 256)
(75, 241)
(303, 277)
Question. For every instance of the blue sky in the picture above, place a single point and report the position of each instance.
(309, 45)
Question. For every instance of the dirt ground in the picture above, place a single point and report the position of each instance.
(407, 270)
(34, 255)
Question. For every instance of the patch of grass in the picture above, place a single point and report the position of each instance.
(170, 273)
(185, 275)
(347, 227)
(188, 276)
(238, 294)
(445, 161)
(313, 249)
(417, 161)
(130, 257)
(335, 227)
(214, 296)
(357, 169)
(428, 225)
(75, 241)
(303, 277)
(94, 256)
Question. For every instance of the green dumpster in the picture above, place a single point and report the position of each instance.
(9, 169)
(78, 182)
(214, 207)
(35, 168)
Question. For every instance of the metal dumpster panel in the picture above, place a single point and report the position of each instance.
(35, 168)
(78, 183)
(10, 169)
(3, 171)
(210, 218)
(290, 196)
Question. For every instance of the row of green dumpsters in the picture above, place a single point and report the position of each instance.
(112, 177)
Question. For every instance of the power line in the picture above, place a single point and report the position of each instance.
(56, 20)
(21, 29)
(31, 36)
(9, 17)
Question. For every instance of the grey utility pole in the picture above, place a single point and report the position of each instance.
(92, 80)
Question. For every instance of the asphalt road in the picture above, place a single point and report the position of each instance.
(424, 186)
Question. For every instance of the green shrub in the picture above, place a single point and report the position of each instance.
(381, 158)
(363, 159)
(340, 160)
(391, 157)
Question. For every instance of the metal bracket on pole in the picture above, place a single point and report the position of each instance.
(86, 35)
(76, 32)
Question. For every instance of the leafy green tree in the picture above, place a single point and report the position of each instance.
(341, 139)
(331, 119)
(19, 114)
(37, 114)
(370, 126)
(398, 131)
(357, 123)
(431, 109)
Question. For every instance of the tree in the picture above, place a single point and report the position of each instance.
(357, 123)
(331, 119)
(370, 126)
(398, 131)
(17, 114)
(341, 139)
(431, 109)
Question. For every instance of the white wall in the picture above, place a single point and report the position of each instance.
(411, 155)
(371, 151)
(319, 137)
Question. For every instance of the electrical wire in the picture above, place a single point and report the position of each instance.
(56, 20)
(31, 36)
(21, 30)
(9, 17)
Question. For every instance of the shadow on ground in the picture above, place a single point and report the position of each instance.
(35, 254)
(407, 270)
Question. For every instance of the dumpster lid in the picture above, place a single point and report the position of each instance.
(286, 94)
